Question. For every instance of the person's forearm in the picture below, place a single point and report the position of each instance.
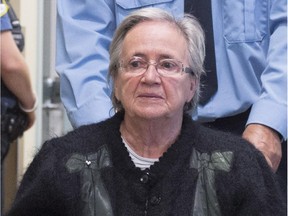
(19, 84)
(15, 73)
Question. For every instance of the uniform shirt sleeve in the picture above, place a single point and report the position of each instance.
(84, 33)
(5, 22)
(271, 108)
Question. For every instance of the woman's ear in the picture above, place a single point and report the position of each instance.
(192, 90)
(116, 89)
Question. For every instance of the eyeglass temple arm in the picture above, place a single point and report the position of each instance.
(189, 70)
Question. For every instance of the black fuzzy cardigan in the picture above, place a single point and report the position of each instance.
(49, 188)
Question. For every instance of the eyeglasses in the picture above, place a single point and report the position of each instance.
(165, 67)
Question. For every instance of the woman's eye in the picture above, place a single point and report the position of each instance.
(137, 64)
(168, 65)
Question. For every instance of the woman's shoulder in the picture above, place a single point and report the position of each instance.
(84, 140)
(215, 140)
(75, 138)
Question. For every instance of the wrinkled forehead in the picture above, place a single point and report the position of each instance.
(157, 24)
(158, 37)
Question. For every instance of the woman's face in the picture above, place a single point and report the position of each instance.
(151, 95)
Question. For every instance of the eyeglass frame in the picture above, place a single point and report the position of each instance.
(155, 64)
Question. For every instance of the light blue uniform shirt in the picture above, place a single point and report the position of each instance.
(251, 56)
(4, 18)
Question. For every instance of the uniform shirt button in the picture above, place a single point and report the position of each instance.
(155, 200)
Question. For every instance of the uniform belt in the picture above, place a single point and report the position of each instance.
(234, 124)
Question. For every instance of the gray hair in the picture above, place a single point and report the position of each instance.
(187, 25)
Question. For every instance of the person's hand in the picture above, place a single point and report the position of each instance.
(267, 141)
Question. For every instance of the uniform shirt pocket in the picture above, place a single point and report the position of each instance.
(245, 20)
(124, 7)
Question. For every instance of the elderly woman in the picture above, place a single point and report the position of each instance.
(150, 158)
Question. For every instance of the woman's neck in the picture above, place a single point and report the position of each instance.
(150, 138)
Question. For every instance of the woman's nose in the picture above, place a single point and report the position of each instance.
(151, 75)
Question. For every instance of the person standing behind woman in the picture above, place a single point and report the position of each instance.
(150, 158)
(14, 76)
